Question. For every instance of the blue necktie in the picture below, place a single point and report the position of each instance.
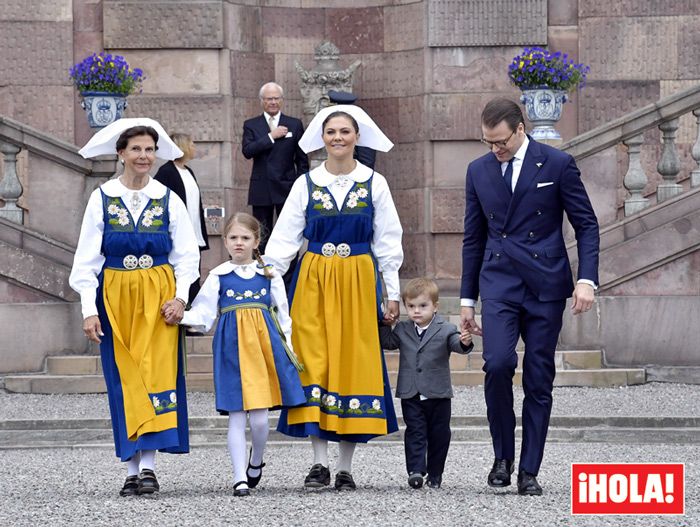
(508, 176)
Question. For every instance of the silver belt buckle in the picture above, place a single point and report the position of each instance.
(146, 261)
(130, 262)
(328, 249)
(343, 250)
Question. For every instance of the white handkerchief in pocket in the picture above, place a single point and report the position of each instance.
(545, 184)
(289, 134)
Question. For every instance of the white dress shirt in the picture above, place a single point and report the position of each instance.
(204, 310)
(88, 260)
(287, 236)
(193, 196)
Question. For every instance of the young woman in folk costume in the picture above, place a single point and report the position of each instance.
(345, 211)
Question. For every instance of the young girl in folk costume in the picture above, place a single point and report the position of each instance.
(255, 368)
(345, 211)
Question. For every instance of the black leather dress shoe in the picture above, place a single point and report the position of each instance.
(319, 476)
(415, 480)
(527, 484)
(500, 472)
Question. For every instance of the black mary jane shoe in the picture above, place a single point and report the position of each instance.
(344, 481)
(434, 482)
(131, 486)
(241, 492)
(253, 480)
(148, 484)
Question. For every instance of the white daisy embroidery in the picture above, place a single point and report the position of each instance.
(230, 293)
(315, 392)
(156, 402)
(317, 195)
(330, 400)
(248, 293)
(113, 210)
(263, 291)
(352, 203)
(362, 192)
(173, 397)
(354, 404)
(327, 205)
(157, 211)
(376, 404)
(147, 221)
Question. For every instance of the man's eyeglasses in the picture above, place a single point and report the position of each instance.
(499, 144)
(272, 99)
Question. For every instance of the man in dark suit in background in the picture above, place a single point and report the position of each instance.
(272, 141)
(363, 154)
(514, 256)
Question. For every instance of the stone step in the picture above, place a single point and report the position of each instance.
(206, 431)
(203, 362)
(196, 382)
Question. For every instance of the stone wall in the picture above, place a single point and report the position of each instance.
(423, 81)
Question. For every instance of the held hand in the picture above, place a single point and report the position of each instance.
(465, 337)
(93, 329)
(172, 311)
(582, 298)
(391, 314)
(279, 132)
(467, 314)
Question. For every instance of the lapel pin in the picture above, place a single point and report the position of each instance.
(538, 165)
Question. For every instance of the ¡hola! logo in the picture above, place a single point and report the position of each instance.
(627, 488)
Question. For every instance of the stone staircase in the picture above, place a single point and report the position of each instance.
(83, 373)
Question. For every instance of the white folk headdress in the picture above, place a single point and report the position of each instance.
(370, 134)
(104, 142)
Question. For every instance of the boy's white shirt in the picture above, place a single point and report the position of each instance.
(205, 307)
(89, 260)
(287, 236)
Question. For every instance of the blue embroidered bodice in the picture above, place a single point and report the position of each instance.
(235, 291)
(147, 235)
(351, 223)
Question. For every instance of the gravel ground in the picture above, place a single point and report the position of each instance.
(80, 487)
(652, 399)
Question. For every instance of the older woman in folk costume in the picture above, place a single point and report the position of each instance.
(136, 258)
(345, 211)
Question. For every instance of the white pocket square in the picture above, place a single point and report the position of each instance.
(289, 134)
(540, 185)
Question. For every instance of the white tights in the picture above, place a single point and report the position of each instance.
(141, 460)
(259, 430)
(345, 452)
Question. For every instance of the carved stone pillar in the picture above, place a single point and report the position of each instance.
(315, 84)
(669, 164)
(11, 188)
(635, 179)
(695, 152)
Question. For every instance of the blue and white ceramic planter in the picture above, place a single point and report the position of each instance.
(543, 109)
(103, 108)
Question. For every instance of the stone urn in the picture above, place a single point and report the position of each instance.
(103, 108)
(543, 109)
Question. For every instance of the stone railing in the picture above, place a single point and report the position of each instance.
(629, 129)
(57, 178)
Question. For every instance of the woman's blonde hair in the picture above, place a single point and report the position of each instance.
(183, 142)
(249, 222)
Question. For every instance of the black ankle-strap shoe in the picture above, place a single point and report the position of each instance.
(241, 492)
(131, 486)
(148, 484)
(253, 480)
(319, 476)
(344, 481)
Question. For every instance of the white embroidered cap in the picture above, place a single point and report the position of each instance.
(104, 142)
(370, 134)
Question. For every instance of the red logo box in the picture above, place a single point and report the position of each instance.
(627, 488)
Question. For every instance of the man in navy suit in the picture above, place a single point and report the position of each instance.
(272, 141)
(514, 256)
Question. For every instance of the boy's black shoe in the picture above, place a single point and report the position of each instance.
(527, 484)
(131, 486)
(344, 481)
(148, 484)
(500, 473)
(415, 480)
(434, 482)
(319, 476)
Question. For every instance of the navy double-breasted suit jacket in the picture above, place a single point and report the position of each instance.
(512, 242)
(275, 165)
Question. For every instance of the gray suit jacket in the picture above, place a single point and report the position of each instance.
(424, 365)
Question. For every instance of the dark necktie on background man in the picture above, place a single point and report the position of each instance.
(508, 175)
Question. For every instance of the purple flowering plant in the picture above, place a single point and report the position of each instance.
(106, 73)
(539, 68)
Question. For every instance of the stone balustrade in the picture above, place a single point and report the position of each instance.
(629, 131)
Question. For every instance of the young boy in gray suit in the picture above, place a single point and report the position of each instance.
(424, 385)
